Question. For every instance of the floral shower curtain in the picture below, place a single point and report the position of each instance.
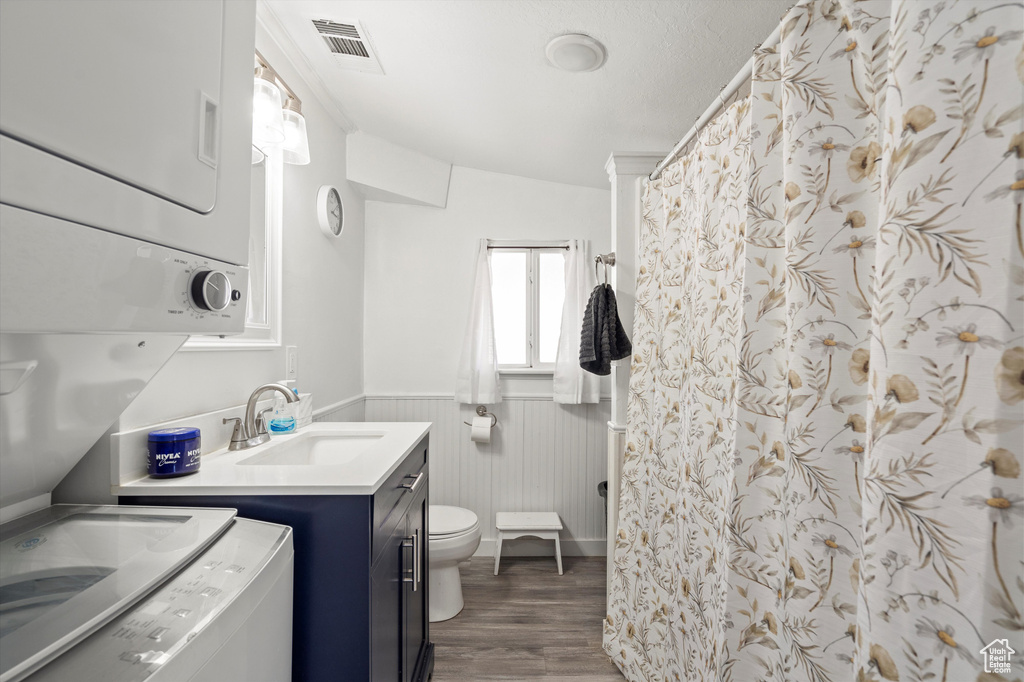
(822, 476)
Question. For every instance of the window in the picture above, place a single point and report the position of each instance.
(263, 309)
(257, 308)
(527, 289)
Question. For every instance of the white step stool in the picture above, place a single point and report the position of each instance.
(543, 525)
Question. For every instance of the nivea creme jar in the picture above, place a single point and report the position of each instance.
(174, 452)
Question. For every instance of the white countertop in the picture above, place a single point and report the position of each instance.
(377, 450)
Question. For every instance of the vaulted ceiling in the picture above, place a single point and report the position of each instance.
(467, 82)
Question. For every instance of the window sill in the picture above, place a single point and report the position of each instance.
(230, 344)
(528, 371)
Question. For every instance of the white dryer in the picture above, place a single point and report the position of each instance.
(125, 133)
(132, 117)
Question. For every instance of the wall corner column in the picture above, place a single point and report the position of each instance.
(626, 173)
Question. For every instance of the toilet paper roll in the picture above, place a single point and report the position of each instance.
(481, 430)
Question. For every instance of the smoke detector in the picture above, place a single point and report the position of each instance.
(576, 52)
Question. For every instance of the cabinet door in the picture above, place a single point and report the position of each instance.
(386, 605)
(415, 613)
(130, 89)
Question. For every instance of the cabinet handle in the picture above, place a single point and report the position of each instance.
(417, 573)
(411, 487)
(412, 541)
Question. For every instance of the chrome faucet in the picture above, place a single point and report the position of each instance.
(253, 430)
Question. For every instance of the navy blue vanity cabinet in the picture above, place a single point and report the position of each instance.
(361, 583)
(401, 649)
(418, 651)
(386, 591)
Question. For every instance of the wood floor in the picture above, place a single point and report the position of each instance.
(527, 623)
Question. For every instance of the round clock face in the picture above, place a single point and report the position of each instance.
(330, 211)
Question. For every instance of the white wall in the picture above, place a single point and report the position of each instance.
(419, 268)
(387, 172)
(322, 312)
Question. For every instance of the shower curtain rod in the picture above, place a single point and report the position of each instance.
(542, 246)
(727, 91)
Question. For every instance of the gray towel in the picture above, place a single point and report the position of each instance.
(602, 338)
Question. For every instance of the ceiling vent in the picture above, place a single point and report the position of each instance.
(349, 45)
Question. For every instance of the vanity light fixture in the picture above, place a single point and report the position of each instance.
(295, 148)
(267, 119)
(576, 52)
(277, 120)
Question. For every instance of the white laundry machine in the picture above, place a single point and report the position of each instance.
(123, 230)
(117, 594)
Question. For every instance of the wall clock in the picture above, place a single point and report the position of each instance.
(329, 211)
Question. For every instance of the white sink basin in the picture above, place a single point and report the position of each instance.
(312, 448)
(323, 458)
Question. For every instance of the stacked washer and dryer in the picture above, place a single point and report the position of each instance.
(124, 199)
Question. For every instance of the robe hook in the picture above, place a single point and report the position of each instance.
(605, 260)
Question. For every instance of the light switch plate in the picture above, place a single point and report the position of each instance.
(291, 363)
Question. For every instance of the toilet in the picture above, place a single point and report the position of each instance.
(454, 534)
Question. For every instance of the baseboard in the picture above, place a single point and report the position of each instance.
(535, 547)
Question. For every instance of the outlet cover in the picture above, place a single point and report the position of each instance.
(291, 363)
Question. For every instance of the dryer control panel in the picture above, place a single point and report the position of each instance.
(57, 276)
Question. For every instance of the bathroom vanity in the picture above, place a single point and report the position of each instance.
(356, 497)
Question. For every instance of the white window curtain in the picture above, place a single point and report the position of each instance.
(478, 381)
(572, 385)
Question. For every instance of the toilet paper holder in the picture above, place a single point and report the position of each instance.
(481, 411)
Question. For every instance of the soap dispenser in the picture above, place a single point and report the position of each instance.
(282, 421)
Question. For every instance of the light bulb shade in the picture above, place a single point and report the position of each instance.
(295, 148)
(267, 121)
(576, 52)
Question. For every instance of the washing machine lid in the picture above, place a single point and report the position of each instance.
(445, 520)
(67, 570)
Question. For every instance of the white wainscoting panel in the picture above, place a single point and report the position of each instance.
(542, 457)
(351, 410)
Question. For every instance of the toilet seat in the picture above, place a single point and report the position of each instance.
(446, 521)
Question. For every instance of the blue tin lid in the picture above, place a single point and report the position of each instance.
(175, 434)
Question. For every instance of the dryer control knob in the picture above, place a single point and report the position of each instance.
(210, 290)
